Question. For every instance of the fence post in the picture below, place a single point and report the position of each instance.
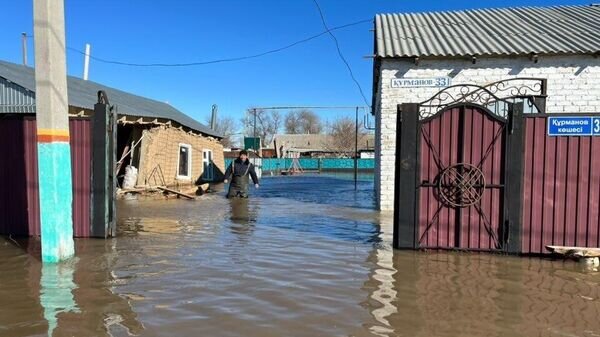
(513, 210)
(406, 182)
(103, 159)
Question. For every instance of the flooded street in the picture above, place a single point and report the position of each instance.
(306, 256)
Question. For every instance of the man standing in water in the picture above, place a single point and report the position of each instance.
(240, 172)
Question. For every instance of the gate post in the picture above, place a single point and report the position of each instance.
(103, 165)
(406, 177)
(513, 164)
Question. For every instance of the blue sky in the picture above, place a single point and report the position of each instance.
(177, 31)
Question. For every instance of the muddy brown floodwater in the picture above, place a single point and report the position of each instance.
(306, 256)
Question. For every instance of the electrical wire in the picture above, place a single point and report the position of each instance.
(232, 59)
(340, 54)
(312, 107)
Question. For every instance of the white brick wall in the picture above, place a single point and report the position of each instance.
(573, 86)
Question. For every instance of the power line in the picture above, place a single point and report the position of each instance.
(232, 59)
(336, 107)
(341, 55)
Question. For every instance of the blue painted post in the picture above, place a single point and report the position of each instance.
(52, 116)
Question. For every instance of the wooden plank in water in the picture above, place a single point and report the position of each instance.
(191, 197)
(577, 252)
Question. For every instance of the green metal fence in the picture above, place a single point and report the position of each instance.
(276, 164)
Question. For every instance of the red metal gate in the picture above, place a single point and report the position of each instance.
(459, 166)
(461, 175)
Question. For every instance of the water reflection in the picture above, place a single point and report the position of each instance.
(56, 293)
(381, 285)
(240, 211)
(103, 311)
(456, 294)
(242, 219)
(74, 298)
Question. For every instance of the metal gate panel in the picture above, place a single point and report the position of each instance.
(484, 146)
(442, 132)
(464, 134)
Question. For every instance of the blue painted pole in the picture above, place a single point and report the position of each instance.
(52, 116)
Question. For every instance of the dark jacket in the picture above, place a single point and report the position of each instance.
(240, 170)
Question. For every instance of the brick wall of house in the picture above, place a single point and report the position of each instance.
(573, 87)
(160, 146)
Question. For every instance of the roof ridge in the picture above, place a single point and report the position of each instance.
(82, 94)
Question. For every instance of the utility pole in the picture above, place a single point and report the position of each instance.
(86, 62)
(356, 151)
(254, 140)
(24, 47)
(52, 115)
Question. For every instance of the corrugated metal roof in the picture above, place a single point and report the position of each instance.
(506, 31)
(84, 94)
(14, 98)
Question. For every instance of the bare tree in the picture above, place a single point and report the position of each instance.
(291, 123)
(227, 127)
(342, 133)
(303, 122)
(268, 123)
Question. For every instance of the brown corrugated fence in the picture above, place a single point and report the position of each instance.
(19, 199)
(13, 179)
(561, 190)
(81, 163)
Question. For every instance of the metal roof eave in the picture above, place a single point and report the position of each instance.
(488, 55)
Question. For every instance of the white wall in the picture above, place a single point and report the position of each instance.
(573, 87)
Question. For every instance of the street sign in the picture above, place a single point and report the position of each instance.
(573, 126)
(252, 143)
(431, 82)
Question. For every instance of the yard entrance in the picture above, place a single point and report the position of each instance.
(461, 179)
(459, 164)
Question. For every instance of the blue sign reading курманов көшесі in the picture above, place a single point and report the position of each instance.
(573, 126)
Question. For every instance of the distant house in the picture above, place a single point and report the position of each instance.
(315, 146)
(165, 145)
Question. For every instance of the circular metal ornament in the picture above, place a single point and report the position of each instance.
(461, 185)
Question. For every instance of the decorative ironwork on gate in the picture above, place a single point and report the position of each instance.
(461, 185)
(496, 97)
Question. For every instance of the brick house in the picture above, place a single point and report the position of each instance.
(184, 156)
(419, 54)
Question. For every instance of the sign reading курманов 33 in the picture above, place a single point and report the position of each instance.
(573, 126)
(430, 82)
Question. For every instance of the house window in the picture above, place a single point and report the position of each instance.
(208, 168)
(184, 165)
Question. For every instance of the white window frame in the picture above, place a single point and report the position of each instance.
(189, 148)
